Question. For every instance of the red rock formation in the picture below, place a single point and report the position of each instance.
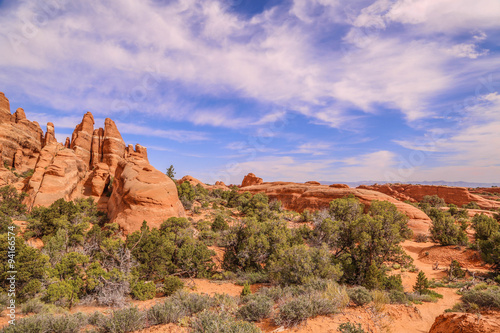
(454, 195)
(5, 115)
(300, 197)
(18, 136)
(83, 167)
(96, 151)
(193, 181)
(113, 146)
(50, 136)
(339, 186)
(250, 180)
(466, 322)
(140, 192)
(312, 182)
(81, 140)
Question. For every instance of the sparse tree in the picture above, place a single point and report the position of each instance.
(170, 172)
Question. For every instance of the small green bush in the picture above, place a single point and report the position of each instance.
(246, 290)
(144, 290)
(350, 328)
(33, 306)
(167, 312)
(219, 224)
(120, 321)
(256, 307)
(359, 295)
(294, 311)
(48, 323)
(171, 284)
(398, 297)
(192, 303)
(213, 322)
(486, 298)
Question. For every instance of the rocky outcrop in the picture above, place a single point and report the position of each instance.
(140, 192)
(299, 197)
(94, 163)
(58, 174)
(466, 322)
(81, 140)
(113, 146)
(21, 140)
(193, 181)
(339, 186)
(5, 115)
(415, 193)
(250, 180)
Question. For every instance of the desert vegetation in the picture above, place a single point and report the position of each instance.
(331, 259)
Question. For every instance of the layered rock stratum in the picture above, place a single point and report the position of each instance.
(314, 196)
(93, 163)
(452, 195)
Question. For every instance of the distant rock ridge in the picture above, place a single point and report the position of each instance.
(452, 195)
(314, 196)
(93, 163)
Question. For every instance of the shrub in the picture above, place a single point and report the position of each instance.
(421, 238)
(445, 230)
(167, 312)
(256, 307)
(120, 321)
(487, 298)
(471, 205)
(144, 290)
(397, 297)
(359, 295)
(219, 224)
(422, 284)
(48, 323)
(192, 303)
(171, 284)
(246, 290)
(456, 271)
(294, 311)
(433, 201)
(300, 263)
(213, 322)
(33, 306)
(350, 328)
(252, 277)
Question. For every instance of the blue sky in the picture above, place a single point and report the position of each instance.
(297, 90)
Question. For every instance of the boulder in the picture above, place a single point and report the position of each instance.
(250, 180)
(142, 193)
(466, 322)
(339, 186)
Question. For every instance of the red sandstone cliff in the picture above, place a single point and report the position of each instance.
(314, 196)
(92, 163)
(451, 195)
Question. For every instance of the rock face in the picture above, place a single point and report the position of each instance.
(94, 163)
(466, 322)
(454, 195)
(193, 181)
(300, 197)
(250, 180)
(141, 191)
